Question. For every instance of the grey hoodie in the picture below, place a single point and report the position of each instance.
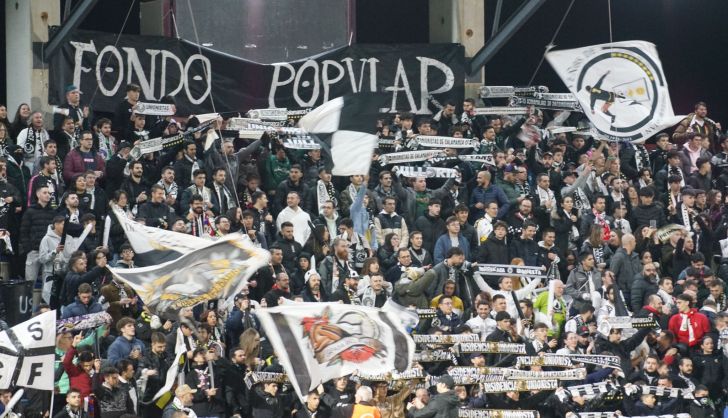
(47, 251)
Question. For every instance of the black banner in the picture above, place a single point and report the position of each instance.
(195, 78)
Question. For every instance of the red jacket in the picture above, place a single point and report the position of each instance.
(697, 321)
(78, 378)
(73, 165)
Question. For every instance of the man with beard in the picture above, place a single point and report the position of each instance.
(45, 177)
(83, 158)
(346, 293)
(291, 248)
(313, 292)
(198, 223)
(135, 186)
(649, 373)
(596, 216)
(280, 290)
(185, 168)
(294, 183)
(697, 122)
(222, 226)
(231, 160)
(375, 294)
(518, 219)
(482, 324)
(152, 371)
(643, 286)
(452, 268)
(335, 267)
(298, 217)
(156, 213)
(321, 194)
(236, 394)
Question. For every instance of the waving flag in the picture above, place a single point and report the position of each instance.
(316, 342)
(153, 246)
(345, 128)
(620, 86)
(216, 271)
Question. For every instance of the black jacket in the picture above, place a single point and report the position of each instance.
(643, 214)
(431, 228)
(34, 227)
(156, 214)
(622, 348)
(442, 405)
(291, 249)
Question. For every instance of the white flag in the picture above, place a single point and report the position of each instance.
(316, 342)
(218, 270)
(620, 86)
(27, 353)
(153, 246)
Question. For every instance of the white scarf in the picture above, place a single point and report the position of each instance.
(686, 217)
(544, 195)
(177, 404)
(484, 226)
(225, 192)
(195, 166)
(685, 325)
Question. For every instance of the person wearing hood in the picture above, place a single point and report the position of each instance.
(431, 225)
(442, 405)
(313, 291)
(688, 325)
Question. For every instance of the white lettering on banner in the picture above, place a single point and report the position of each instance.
(285, 74)
(132, 68)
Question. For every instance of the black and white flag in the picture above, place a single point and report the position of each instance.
(216, 271)
(316, 342)
(153, 246)
(345, 126)
(620, 86)
(27, 353)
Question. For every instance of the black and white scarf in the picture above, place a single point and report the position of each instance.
(324, 192)
(676, 171)
(641, 156)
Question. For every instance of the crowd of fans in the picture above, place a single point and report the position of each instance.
(616, 229)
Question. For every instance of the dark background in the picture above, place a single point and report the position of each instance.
(690, 35)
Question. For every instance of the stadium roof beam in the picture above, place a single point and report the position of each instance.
(77, 15)
(496, 42)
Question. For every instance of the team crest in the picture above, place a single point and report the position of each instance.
(351, 337)
(621, 88)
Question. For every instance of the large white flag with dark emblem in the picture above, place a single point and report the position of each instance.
(316, 342)
(620, 86)
(27, 353)
(216, 271)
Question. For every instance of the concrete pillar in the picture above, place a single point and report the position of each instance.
(26, 26)
(460, 21)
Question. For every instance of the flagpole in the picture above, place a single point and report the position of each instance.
(53, 398)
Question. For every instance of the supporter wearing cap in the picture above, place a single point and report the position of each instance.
(182, 401)
(346, 293)
(81, 115)
(443, 404)
(508, 184)
(673, 168)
